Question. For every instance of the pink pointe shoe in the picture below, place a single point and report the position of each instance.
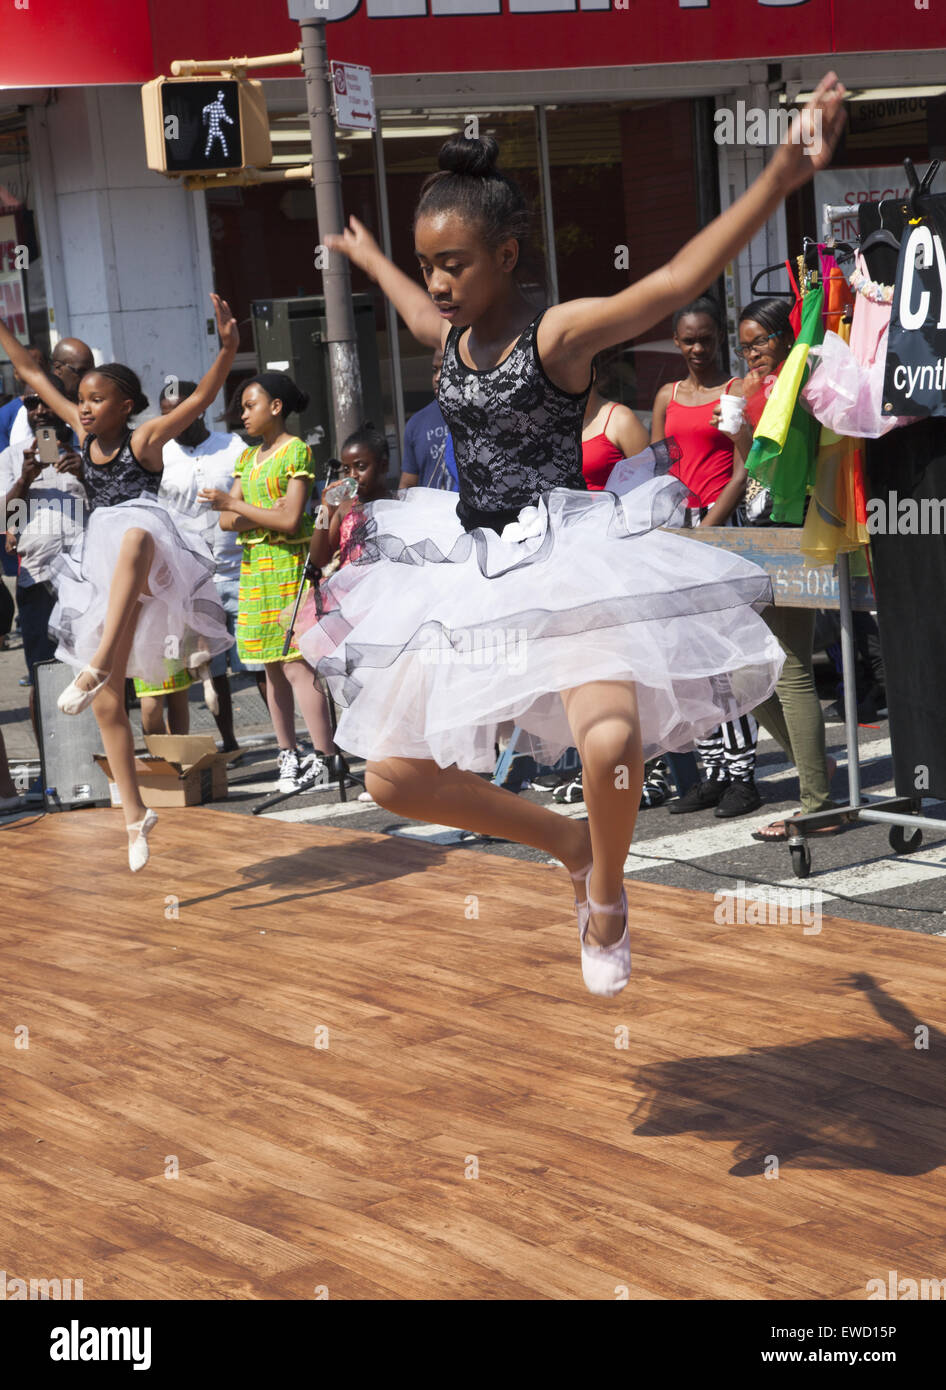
(138, 852)
(74, 699)
(605, 969)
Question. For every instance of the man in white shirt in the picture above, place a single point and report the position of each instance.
(43, 510)
(201, 458)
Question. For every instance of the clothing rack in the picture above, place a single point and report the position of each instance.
(900, 813)
(831, 212)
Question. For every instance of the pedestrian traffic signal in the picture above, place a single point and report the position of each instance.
(202, 125)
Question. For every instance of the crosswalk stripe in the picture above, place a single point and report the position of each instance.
(680, 845)
(879, 875)
(434, 834)
(322, 812)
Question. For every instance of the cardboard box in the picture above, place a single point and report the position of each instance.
(179, 770)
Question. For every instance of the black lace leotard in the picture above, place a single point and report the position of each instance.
(515, 433)
(122, 479)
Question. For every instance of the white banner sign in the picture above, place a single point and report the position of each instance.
(848, 187)
(354, 97)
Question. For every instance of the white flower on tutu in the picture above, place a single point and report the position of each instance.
(527, 526)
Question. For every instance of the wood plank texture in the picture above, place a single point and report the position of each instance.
(285, 1059)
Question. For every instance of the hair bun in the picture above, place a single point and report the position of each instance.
(140, 403)
(301, 401)
(476, 158)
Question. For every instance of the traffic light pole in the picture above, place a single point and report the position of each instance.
(330, 218)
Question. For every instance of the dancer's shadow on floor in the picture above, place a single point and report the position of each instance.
(871, 1103)
(324, 869)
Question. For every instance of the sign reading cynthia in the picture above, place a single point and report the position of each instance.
(915, 373)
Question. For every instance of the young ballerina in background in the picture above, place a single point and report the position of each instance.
(598, 630)
(133, 594)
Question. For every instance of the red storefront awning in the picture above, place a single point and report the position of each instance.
(50, 43)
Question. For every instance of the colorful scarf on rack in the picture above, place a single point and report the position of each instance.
(836, 522)
(782, 456)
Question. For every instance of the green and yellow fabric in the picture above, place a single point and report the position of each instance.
(782, 457)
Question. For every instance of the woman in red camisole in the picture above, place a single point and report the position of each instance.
(610, 432)
(683, 410)
(716, 476)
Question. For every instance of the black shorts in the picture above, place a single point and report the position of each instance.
(36, 603)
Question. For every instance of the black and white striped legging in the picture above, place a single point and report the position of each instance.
(728, 753)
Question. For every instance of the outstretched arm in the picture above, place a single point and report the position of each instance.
(575, 331)
(410, 299)
(34, 377)
(149, 438)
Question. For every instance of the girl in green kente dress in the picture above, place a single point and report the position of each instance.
(267, 504)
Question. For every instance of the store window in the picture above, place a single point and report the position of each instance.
(411, 147)
(22, 287)
(623, 195)
(623, 200)
(883, 127)
(263, 238)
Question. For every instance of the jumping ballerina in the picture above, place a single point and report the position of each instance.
(627, 641)
(135, 592)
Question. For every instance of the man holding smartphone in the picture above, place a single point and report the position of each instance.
(43, 505)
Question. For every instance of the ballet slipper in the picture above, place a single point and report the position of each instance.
(605, 969)
(74, 699)
(138, 852)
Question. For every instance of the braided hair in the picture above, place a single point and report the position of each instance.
(127, 382)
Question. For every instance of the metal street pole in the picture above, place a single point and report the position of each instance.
(336, 280)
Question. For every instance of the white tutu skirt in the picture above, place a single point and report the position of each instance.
(181, 618)
(434, 637)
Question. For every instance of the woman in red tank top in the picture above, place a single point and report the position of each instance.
(610, 432)
(716, 476)
(683, 410)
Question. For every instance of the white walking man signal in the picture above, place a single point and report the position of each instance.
(213, 115)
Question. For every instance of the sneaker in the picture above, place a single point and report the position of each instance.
(313, 772)
(568, 793)
(290, 766)
(319, 771)
(656, 789)
(699, 797)
(547, 781)
(739, 798)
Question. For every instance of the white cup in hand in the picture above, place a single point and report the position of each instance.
(732, 413)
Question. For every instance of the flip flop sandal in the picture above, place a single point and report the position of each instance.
(779, 837)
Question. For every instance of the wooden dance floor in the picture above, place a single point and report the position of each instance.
(286, 1062)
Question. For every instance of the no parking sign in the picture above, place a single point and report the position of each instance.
(354, 96)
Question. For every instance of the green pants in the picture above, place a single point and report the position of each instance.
(793, 714)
